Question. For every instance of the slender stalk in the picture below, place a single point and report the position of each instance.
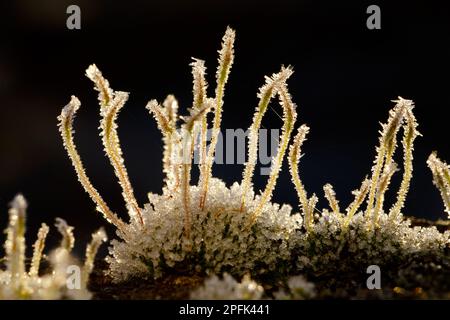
(66, 128)
(265, 95)
(441, 178)
(200, 100)
(330, 195)
(113, 150)
(110, 104)
(226, 58)
(166, 118)
(38, 248)
(15, 244)
(68, 239)
(360, 196)
(386, 149)
(289, 117)
(294, 158)
(187, 153)
(410, 134)
(91, 251)
(382, 188)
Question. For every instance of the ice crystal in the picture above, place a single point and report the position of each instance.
(17, 283)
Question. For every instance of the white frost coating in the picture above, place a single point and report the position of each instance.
(394, 240)
(211, 228)
(298, 289)
(17, 283)
(219, 241)
(228, 288)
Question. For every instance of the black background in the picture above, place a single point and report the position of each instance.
(345, 77)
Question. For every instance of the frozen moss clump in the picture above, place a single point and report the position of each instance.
(219, 242)
(339, 243)
(206, 227)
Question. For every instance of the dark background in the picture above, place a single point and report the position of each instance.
(345, 77)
